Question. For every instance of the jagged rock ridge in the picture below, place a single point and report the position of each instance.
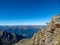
(49, 35)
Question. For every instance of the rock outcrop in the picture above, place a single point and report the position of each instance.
(7, 38)
(49, 35)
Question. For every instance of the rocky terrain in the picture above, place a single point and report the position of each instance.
(49, 35)
(46, 36)
(9, 38)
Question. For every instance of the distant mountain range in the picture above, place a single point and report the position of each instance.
(26, 31)
(13, 34)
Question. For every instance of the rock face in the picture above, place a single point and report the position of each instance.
(7, 38)
(49, 35)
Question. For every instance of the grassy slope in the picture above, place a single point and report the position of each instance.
(23, 42)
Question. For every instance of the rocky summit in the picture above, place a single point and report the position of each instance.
(47, 36)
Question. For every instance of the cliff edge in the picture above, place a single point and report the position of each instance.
(50, 35)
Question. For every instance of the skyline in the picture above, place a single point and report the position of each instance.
(28, 12)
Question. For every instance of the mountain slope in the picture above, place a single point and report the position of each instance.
(50, 35)
(9, 38)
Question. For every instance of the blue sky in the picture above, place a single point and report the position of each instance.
(28, 12)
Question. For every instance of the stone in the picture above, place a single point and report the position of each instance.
(47, 35)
